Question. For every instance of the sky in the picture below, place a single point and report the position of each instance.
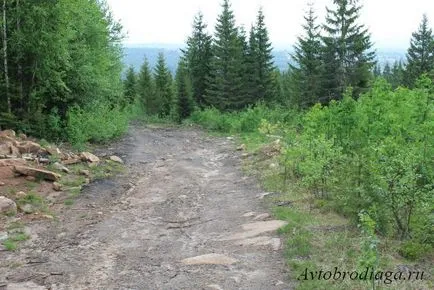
(390, 22)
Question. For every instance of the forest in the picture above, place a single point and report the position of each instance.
(357, 136)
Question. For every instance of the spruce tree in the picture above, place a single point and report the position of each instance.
(397, 76)
(266, 87)
(387, 72)
(198, 59)
(307, 58)
(420, 55)
(163, 87)
(184, 102)
(145, 89)
(130, 85)
(226, 82)
(347, 56)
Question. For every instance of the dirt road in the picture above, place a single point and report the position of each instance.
(184, 196)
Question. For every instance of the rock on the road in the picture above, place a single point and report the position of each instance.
(210, 259)
(7, 206)
(116, 159)
(89, 157)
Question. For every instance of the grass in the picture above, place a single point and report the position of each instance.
(16, 235)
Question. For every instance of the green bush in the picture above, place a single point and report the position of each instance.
(98, 123)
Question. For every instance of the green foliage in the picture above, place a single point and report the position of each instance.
(163, 88)
(372, 154)
(246, 121)
(420, 55)
(98, 123)
(307, 55)
(347, 58)
(414, 250)
(61, 55)
(198, 56)
(260, 63)
(184, 101)
(130, 86)
(226, 87)
(145, 89)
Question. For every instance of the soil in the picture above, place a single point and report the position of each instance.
(183, 216)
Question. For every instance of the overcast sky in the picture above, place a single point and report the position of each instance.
(390, 22)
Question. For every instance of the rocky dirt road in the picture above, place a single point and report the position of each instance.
(182, 217)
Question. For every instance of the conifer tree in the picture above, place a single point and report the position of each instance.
(266, 87)
(307, 58)
(226, 82)
(198, 59)
(397, 75)
(163, 87)
(387, 72)
(184, 102)
(347, 56)
(377, 70)
(130, 85)
(145, 89)
(420, 55)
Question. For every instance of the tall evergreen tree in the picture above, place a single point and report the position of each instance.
(184, 102)
(387, 72)
(198, 59)
(397, 75)
(226, 82)
(420, 55)
(130, 85)
(163, 87)
(145, 89)
(347, 56)
(266, 87)
(307, 58)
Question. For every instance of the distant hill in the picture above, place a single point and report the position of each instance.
(134, 56)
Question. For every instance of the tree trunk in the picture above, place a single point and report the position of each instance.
(5, 58)
(20, 67)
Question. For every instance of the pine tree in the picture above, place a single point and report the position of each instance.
(251, 66)
(145, 89)
(226, 82)
(347, 58)
(266, 87)
(198, 59)
(377, 70)
(130, 85)
(163, 87)
(387, 72)
(307, 58)
(397, 75)
(184, 102)
(420, 55)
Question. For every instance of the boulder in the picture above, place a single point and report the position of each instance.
(242, 147)
(7, 206)
(38, 173)
(53, 151)
(22, 136)
(89, 157)
(116, 159)
(60, 167)
(8, 133)
(29, 147)
(20, 194)
(57, 186)
(12, 162)
(84, 172)
(27, 208)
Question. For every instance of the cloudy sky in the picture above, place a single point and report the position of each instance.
(390, 22)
